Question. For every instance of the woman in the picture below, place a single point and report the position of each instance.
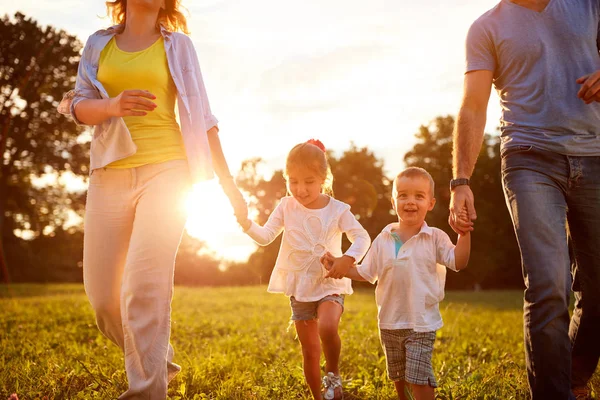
(142, 165)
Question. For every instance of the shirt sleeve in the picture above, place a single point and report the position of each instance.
(84, 88)
(356, 234)
(480, 52)
(369, 268)
(263, 235)
(444, 250)
(209, 119)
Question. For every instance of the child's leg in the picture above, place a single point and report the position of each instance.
(422, 392)
(330, 313)
(419, 371)
(308, 333)
(401, 388)
(419, 392)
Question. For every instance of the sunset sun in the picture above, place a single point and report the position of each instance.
(211, 220)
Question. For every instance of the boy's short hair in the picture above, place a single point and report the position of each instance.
(414, 172)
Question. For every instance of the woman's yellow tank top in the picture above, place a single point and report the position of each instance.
(157, 135)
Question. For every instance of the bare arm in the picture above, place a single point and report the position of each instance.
(240, 208)
(462, 251)
(216, 152)
(328, 261)
(470, 123)
(354, 275)
(128, 103)
(468, 138)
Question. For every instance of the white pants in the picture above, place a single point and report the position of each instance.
(134, 220)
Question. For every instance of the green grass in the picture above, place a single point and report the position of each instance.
(233, 343)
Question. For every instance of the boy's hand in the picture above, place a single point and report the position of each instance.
(463, 215)
(327, 260)
(340, 267)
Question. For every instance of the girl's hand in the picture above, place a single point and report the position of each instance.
(131, 103)
(340, 267)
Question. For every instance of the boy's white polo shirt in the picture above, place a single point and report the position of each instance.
(411, 284)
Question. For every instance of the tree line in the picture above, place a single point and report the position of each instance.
(38, 244)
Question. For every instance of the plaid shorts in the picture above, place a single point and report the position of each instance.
(408, 355)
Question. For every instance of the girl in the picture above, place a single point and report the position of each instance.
(313, 223)
(142, 163)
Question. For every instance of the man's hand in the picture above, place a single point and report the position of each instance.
(340, 267)
(462, 201)
(590, 87)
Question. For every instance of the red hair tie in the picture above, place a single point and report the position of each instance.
(317, 143)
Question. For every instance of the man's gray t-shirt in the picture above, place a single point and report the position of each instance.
(536, 58)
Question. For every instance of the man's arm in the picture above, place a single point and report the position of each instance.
(468, 138)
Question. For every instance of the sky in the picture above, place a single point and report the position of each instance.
(279, 72)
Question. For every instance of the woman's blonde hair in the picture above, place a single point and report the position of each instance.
(170, 17)
(311, 155)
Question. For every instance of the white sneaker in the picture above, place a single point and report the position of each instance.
(331, 382)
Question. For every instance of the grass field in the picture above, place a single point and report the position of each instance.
(233, 343)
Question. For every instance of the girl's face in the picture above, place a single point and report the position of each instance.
(305, 185)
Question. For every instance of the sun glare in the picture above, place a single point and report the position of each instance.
(211, 220)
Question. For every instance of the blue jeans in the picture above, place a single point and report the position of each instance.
(545, 192)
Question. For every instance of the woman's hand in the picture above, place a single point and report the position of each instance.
(134, 103)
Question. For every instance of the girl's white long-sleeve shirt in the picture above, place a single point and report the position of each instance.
(307, 235)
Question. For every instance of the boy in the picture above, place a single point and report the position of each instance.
(405, 258)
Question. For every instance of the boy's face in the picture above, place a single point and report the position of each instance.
(412, 200)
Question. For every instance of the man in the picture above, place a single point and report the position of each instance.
(542, 58)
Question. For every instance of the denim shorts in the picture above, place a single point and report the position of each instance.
(307, 310)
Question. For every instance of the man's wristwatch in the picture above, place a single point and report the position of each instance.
(458, 182)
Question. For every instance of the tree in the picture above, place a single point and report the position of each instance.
(495, 259)
(37, 65)
(359, 180)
